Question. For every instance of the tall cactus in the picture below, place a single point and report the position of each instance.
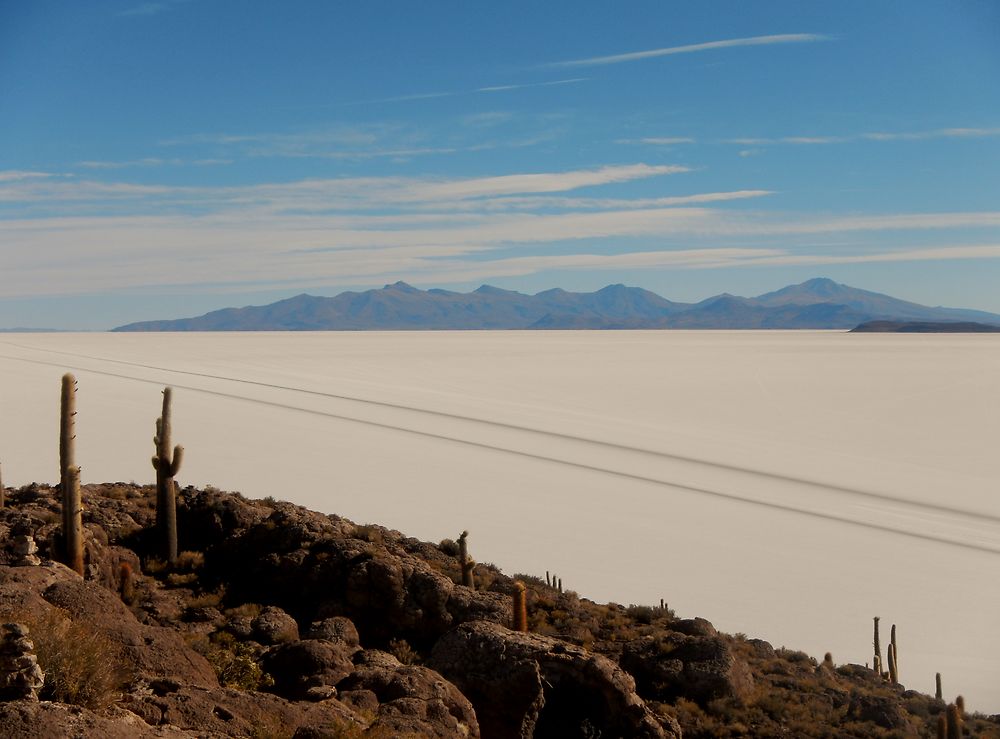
(954, 720)
(890, 657)
(69, 478)
(166, 467)
(937, 686)
(468, 578)
(894, 662)
(877, 664)
(520, 607)
(73, 521)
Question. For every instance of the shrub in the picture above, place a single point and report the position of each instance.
(235, 663)
(81, 664)
(189, 561)
(401, 650)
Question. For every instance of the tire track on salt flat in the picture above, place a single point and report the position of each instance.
(732, 497)
(763, 474)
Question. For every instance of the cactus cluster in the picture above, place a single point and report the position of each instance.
(553, 582)
(891, 673)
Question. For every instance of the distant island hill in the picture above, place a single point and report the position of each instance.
(815, 304)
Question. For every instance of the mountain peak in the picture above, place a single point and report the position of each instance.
(820, 284)
(401, 286)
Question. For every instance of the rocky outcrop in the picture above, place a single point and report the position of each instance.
(29, 720)
(698, 665)
(525, 685)
(308, 669)
(224, 712)
(317, 567)
(411, 700)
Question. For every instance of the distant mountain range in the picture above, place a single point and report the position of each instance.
(818, 303)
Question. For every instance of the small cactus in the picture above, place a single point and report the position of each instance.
(942, 727)
(891, 659)
(520, 607)
(468, 578)
(937, 689)
(960, 705)
(166, 467)
(126, 583)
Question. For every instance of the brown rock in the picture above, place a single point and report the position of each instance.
(274, 626)
(300, 666)
(411, 699)
(336, 629)
(28, 720)
(147, 651)
(700, 668)
(228, 712)
(885, 712)
(525, 685)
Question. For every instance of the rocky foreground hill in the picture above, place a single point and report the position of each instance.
(277, 621)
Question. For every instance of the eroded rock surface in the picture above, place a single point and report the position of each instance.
(525, 685)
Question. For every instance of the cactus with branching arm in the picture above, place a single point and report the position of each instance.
(167, 466)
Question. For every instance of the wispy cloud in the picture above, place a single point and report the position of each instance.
(15, 175)
(543, 182)
(151, 162)
(151, 8)
(659, 140)
(785, 38)
(940, 133)
(473, 91)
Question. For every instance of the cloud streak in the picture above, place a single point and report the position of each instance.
(634, 56)
(940, 133)
(474, 91)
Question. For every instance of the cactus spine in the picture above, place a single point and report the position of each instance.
(877, 664)
(937, 683)
(520, 607)
(468, 579)
(69, 478)
(166, 467)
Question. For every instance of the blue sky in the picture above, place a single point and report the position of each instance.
(163, 159)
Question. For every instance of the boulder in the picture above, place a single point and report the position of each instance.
(412, 700)
(336, 629)
(299, 667)
(882, 711)
(274, 626)
(524, 685)
(699, 668)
